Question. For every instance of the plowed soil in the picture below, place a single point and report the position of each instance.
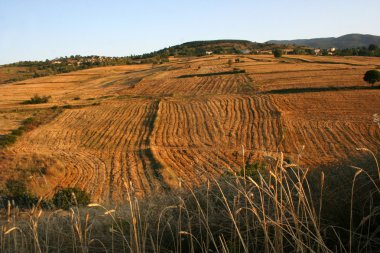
(145, 125)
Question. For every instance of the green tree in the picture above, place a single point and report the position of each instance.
(277, 53)
(372, 76)
(372, 47)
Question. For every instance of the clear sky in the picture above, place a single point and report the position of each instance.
(41, 29)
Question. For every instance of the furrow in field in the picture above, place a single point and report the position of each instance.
(113, 137)
(201, 131)
(209, 85)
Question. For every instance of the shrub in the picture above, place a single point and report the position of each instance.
(373, 47)
(11, 138)
(277, 53)
(65, 198)
(17, 193)
(27, 125)
(6, 140)
(372, 76)
(16, 188)
(28, 121)
(76, 98)
(255, 170)
(18, 132)
(36, 99)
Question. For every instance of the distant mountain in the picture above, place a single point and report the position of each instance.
(345, 41)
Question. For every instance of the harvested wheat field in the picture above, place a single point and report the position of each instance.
(180, 122)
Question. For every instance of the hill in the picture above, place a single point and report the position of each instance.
(101, 127)
(31, 69)
(219, 46)
(125, 132)
(345, 41)
(199, 48)
(23, 70)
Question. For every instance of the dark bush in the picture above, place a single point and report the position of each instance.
(277, 53)
(17, 193)
(28, 121)
(19, 131)
(65, 198)
(255, 170)
(372, 76)
(36, 99)
(16, 188)
(6, 140)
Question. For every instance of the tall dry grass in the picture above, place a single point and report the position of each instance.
(285, 209)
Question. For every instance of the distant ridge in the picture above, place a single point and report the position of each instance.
(206, 42)
(225, 46)
(346, 41)
(216, 46)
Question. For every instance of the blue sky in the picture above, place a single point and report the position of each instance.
(41, 29)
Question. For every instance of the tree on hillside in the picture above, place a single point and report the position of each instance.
(372, 76)
(277, 53)
(372, 47)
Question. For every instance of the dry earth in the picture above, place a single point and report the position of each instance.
(145, 125)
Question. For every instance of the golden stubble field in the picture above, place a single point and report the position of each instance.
(145, 125)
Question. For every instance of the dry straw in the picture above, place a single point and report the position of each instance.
(278, 211)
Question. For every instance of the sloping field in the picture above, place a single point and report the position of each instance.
(98, 144)
(147, 125)
(329, 124)
(209, 85)
(207, 133)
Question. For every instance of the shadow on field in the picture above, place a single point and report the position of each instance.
(320, 89)
(237, 71)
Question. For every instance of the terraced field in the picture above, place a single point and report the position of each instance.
(145, 125)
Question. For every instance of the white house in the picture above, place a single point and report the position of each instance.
(331, 51)
(209, 52)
